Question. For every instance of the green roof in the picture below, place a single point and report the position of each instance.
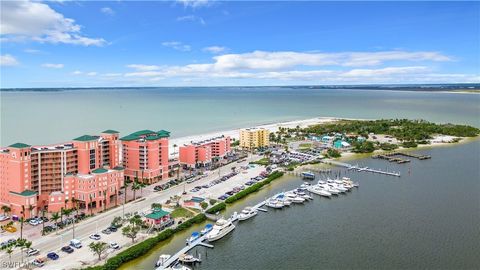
(86, 138)
(110, 131)
(100, 170)
(25, 193)
(118, 168)
(19, 145)
(152, 135)
(158, 214)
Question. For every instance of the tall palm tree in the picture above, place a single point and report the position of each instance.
(30, 209)
(75, 207)
(6, 209)
(135, 187)
(43, 223)
(22, 219)
(125, 186)
(55, 217)
(104, 200)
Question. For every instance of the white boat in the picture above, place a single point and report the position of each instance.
(341, 188)
(221, 228)
(305, 185)
(320, 191)
(162, 259)
(304, 195)
(187, 258)
(247, 213)
(294, 198)
(178, 266)
(287, 202)
(207, 229)
(320, 182)
(330, 189)
(274, 203)
(193, 237)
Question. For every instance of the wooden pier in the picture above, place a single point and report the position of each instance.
(360, 169)
(411, 155)
(391, 159)
(174, 258)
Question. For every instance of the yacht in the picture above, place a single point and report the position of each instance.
(321, 182)
(330, 189)
(305, 185)
(162, 259)
(294, 198)
(187, 258)
(221, 228)
(178, 266)
(304, 195)
(341, 188)
(274, 203)
(193, 237)
(207, 229)
(320, 191)
(247, 213)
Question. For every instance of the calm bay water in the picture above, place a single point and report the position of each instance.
(50, 117)
(426, 219)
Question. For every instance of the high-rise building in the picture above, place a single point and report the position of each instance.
(145, 155)
(202, 153)
(252, 138)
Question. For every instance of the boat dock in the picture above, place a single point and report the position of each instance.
(360, 169)
(411, 155)
(174, 258)
(391, 159)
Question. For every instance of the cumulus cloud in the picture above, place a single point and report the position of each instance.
(140, 67)
(315, 67)
(192, 18)
(177, 45)
(107, 11)
(50, 65)
(215, 49)
(77, 72)
(195, 3)
(26, 20)
(8, 60)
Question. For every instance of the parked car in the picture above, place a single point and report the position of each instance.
(44, 219)
(114, 245)
(53, 256)
(67, 249)
(4, 217)
(33, 222)
(95, 236)
(39, 262)
(106, 231)
(32, 251)
(75, 243)
(112, 228)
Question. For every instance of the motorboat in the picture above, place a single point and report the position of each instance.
(247, 213)
(305, 185)
(221, 228)
(274, 203)
(193, 237)
(304, 195)
(308, 175)
(321, 182)
(187, 258)
(295, 198)
(341, 188)
(330, 189)
(178, 266)
(162, 259)
(320, 191)
(207, 229)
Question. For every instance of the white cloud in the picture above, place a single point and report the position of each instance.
(50, 65)
(140, 67)
(27, 20)
(8, 60)
(77, 72)
(33, 51)
(107, 11)
(195, 3)
(192, 18)
(112, 74)
(91, 74)
(215, 49)
(177, 45)
(385, 71)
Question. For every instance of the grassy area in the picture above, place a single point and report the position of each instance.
(305, 146)
(181, 212)
(263, 161)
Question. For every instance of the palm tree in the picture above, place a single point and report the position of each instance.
(22, 219)
(55, 217)
(75, 207)
(30, 209)
(43, 223)
(98, 248)
(135, 187)
(174, 147)
(104, 200)
(21, 243)
(6, 209)
(9, 251)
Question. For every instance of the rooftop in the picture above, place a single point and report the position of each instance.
(118, 168)
(208, 140)
(25, 193)
(86, 138)
(100, 170)
(146, 134)
(110, 131)
(157, 214)
(19, 145)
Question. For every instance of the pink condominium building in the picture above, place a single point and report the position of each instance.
(51, 177)
(203, 152)
(145, 155)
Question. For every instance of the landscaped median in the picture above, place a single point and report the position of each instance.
(253, 188)
(145, 246)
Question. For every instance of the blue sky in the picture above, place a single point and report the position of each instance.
(202, 43)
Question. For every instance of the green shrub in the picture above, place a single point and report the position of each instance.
(333, 153)
(409, 144)
(216, 208)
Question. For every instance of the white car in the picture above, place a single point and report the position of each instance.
(33, 222)
(4, 217)
(114, 245)
(32, 251)
(95, 236)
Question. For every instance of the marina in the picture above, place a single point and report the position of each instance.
(360, 169)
